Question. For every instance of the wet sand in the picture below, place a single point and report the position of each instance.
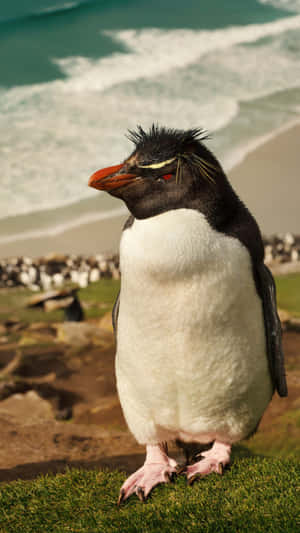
(87, 239)
(267, 180)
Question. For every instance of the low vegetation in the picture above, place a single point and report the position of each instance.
(255, 494)
(97, 299)
(288, 293)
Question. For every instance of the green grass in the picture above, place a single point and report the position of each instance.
(283, 441)
(103, 292)
(254, 495)
(288, 293)
(99, 296)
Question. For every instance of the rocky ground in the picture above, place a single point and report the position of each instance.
(59, 405)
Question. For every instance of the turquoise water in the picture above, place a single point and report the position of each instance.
(76, 75)
(35, 33)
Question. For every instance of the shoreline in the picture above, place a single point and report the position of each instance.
(266, 179)
(86, 239)
(238, 157)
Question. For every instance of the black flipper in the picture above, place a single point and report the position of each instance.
(115, 314)
(267, 290)
(115, 311)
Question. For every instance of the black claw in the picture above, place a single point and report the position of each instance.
(169, 477)
(173, 477)
(220, 468)
(121, 497)
(140, 494)
(191, 480)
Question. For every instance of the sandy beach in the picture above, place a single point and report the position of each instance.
(267, 180)
(90, 238)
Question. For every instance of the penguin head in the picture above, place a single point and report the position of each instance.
(168, 169)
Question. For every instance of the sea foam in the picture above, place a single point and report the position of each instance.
(152, 52)
(289, 5)
(58, 133)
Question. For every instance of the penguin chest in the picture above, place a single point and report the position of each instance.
(191, 342)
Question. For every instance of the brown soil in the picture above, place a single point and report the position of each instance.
(81, 383)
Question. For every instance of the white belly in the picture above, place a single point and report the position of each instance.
(191, 358)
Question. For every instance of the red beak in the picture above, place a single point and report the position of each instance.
(108, 178)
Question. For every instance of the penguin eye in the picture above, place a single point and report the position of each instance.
(163, 178)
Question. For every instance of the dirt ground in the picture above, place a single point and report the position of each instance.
(68, 413)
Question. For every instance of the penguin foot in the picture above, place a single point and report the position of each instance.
(158, 468)
(145, 479)
(213, 460)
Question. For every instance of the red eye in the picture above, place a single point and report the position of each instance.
(167, 176)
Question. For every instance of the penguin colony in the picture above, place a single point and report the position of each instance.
(198, 336)
(55, 270)
(49, 272)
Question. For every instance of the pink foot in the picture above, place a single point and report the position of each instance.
(214, 460)
(158, 468)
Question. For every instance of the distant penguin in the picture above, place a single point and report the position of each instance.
(199, 351)
(74, 311)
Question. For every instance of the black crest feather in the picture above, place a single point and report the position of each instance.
(167, 141)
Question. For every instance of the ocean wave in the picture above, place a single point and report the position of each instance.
(149, 52)
(58, 8)
(288, 5)
(52, 9)
(58, 133)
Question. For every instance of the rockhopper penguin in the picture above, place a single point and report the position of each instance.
(198, 336)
